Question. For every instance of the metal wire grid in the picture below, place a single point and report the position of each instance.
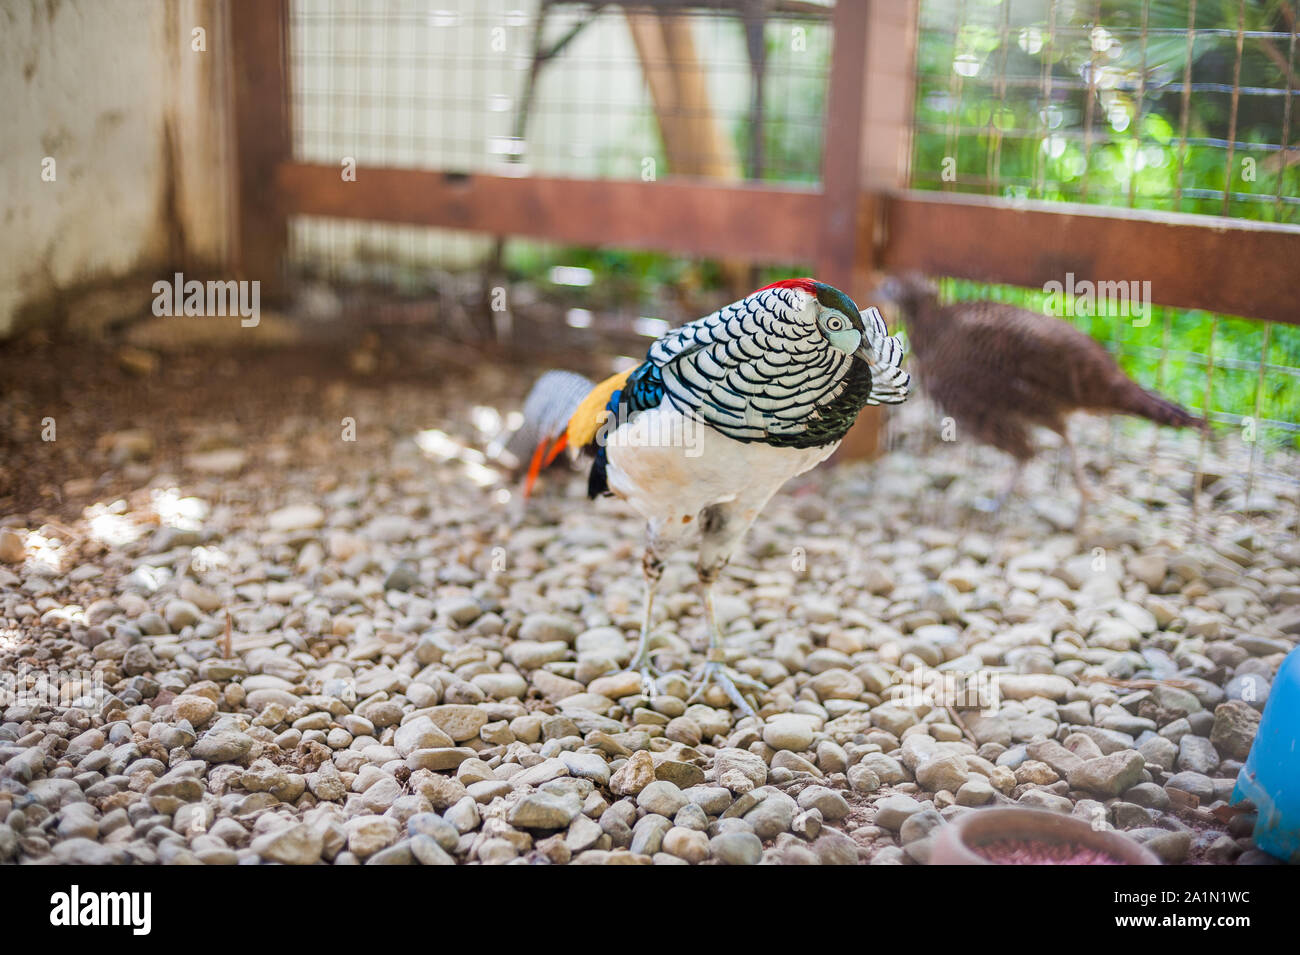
(518, 87)
(1146, 103)
(555, 88)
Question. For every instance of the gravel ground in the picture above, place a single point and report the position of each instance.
(233, 636)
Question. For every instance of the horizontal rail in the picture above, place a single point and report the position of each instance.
(762, 224)
(1232, 266)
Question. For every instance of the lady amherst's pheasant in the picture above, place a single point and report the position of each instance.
(723, 411)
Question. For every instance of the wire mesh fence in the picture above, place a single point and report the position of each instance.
(580, 89)
(718, 91)
(1180, 106)
(725, 91)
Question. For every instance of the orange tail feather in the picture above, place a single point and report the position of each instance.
(556, 448)
(534, 468)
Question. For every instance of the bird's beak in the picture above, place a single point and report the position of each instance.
(864, 353)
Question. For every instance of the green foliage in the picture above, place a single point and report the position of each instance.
(1010, 140)
(794, 103)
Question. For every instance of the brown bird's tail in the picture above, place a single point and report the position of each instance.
(1136, 400)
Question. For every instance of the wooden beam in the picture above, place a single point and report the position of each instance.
(1234, 266)
(868, 130)
(259, 63)
(839, 250)
(867, 149)
(690, 217)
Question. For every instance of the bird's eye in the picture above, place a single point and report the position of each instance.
(835, 323)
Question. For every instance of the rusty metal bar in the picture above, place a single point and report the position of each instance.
(951, 140)
(1136, 125)
(1234, 266)
(1186, 108)
(1090, 103)
(1199, 481)
(1236, 102)
(1255, 414)
(1286, 113)
(993, 159)
(1161, 372)
(1044, 109)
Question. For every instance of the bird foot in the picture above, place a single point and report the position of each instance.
(715, 672)
(649, 673)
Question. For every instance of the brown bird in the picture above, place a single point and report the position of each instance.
(997, 370)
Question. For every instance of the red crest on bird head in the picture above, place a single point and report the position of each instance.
(804, 285)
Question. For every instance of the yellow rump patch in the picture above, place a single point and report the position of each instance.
(586, 421)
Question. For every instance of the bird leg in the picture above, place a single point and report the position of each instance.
(1012, 483)
(714, 670)
(994, 505)
(652, 568)
(1085, 490)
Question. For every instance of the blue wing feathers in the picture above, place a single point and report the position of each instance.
(644, 390)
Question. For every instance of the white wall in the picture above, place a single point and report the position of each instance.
(93, 84)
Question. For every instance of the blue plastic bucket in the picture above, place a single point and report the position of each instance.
(1271, 776)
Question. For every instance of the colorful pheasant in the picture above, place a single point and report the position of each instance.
(722, 412)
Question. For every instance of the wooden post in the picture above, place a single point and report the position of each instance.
(695, 142)
(259, 64)
(868, 148)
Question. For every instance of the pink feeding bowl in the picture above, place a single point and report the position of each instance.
(1005, 836)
